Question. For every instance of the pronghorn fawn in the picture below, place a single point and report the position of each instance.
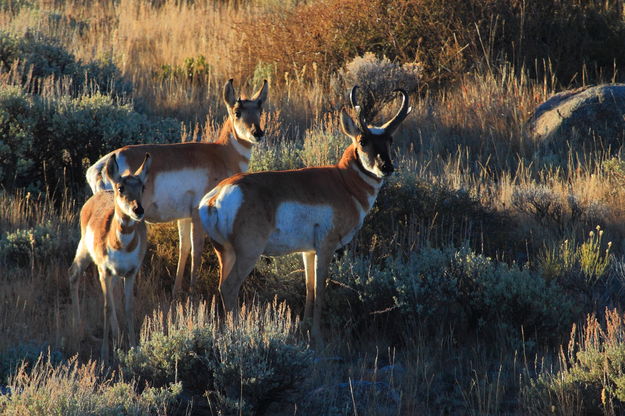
(314, 211)
(114, 237)
(183, 173)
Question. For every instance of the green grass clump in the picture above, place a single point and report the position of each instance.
(587, 261)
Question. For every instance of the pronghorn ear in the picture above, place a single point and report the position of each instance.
(229, 95)
(261, 95)
(143, 170)
(349, 127)
(112, 169)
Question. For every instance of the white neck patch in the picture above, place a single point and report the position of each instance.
(125, 239)
(372, 169)
(242, 150)
(376, 184)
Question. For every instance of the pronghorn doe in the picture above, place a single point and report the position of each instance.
(184, 172)
(314, 211)
(114, 237)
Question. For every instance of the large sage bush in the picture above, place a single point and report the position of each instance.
(441, 288)
(47, 141)
(240, 367)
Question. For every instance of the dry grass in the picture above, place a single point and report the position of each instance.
(462, 143)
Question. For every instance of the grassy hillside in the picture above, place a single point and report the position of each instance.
(485, 280)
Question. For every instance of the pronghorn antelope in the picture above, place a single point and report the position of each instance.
(184, 172)
(314, 211)
(114, 237)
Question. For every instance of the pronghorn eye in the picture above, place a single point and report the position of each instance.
(237, 114)
(121, 189)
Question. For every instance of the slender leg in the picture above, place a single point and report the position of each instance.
(321, 271)
(129, 299)
(230, 284)
(197, 246)
(80, 263)
(107, 289)
(184, 248)
(309, 268)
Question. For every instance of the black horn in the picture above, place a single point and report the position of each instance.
(405, 109)
(361, 119)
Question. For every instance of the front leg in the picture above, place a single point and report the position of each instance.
(309, 269)
(129, 296)
(110, 316)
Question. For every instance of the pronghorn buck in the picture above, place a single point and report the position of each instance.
(314, 211)
(114, 237)
(184, 172)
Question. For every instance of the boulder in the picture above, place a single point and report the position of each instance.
(584, 119)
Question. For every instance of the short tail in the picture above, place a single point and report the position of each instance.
(209, 215)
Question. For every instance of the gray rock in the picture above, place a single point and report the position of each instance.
(588, 118)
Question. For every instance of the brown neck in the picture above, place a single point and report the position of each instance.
(227, 132)
(350, 159)
(360, 183)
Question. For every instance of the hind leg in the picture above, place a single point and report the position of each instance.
(80, 263)
(243, 262)
(197, 246)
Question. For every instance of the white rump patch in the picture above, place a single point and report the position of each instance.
(218, 219)
(299, 227)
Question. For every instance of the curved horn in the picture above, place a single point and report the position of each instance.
(352, 96)
(362, 124)
(405, 109)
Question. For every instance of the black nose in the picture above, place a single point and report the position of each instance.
(258, 132)
(138, 211)
(388, 168)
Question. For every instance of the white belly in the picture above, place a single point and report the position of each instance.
(299, 227)
(176, 194)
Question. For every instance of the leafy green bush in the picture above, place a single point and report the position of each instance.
(74, 389)
(241, 367)
(442, 288)
(54, 138)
